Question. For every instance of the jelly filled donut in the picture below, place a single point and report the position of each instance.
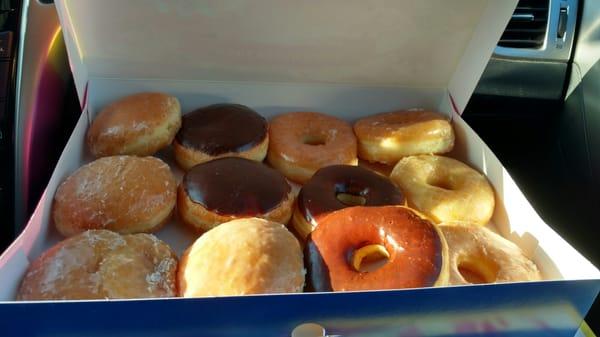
(366, 248)
(228, 188)
(387, 137)
(303, 142)
(340, 186)
(445, 189)
(99, 264)
(221, 130)
(242, 256)
(139, 124)
(125, 194)
(478, 255)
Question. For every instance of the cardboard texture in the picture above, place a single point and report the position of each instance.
(345, 58)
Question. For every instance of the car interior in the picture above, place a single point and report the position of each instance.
(537, 106)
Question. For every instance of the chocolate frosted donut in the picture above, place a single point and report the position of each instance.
(340, 186)
(368, 248)
(221, 130)
(229, 188)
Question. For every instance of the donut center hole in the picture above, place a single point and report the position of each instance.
(351, 199)
(369, 258)
(478, 270)
(313, 140)
(441, 182)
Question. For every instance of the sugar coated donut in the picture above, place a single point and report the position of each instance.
(340, 186)
(303, 142)
(445, 189)
(478, 255)
(139, 124)
(243, 256)
(99, 264)
(221, 130)
(125, 194)
(228, 188)
(387, 137)
(365, 248)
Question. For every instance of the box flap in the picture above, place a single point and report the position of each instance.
(400, 43)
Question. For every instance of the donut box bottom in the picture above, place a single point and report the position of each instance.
(555, 306)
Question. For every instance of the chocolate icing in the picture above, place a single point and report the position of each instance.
(222, 128)
(236, 186)
(318, 195)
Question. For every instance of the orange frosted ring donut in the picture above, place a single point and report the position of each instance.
(478, 255)
(303, 142)
(340, 186)
(367, 248)
(389, 136)
(100, 264)
(445, 189)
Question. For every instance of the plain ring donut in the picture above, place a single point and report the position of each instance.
(368, 248)
(387, 137)
(445, 189)
(340, 186)
(478, 255)
(303, 142)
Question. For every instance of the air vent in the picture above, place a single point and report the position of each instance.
(527, 27)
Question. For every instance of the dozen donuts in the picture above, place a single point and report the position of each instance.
(406, 217)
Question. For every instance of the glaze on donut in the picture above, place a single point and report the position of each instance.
(417, 251)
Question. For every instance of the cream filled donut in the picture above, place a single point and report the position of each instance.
(229, 188)
(221, 130)
(445, 189)
(99, 264)
(387, 137)
(303, 142)
(240, 257)
(478, 255)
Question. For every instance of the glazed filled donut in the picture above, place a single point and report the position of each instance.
(340, 186)
(365, 248)
(445, 189)
(478, 255)
(228, 188)
(100, 264)
(125, 194)
(139, 124)
(387, 137)
(303, 142)
(243, 256)
(221, 130)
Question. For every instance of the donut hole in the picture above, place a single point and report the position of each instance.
(314, 140)
(369, 258)
(441, 182)
(351, 199)
(478, 269)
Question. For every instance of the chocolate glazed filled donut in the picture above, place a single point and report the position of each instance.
(229, 188)
(368, 248)
(339, 186)
(221, 130)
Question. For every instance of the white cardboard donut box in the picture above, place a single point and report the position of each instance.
(345, 58)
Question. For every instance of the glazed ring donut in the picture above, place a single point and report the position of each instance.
(303, 142)
(240, 257)
(125, 194)
(228, 188)
(387, 137)
(367, 248)
(221, 130)
(478, 255)
(100, 264)
(139, 124)
(340, 186)
(445, 189)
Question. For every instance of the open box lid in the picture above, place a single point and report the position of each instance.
(436, 44)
